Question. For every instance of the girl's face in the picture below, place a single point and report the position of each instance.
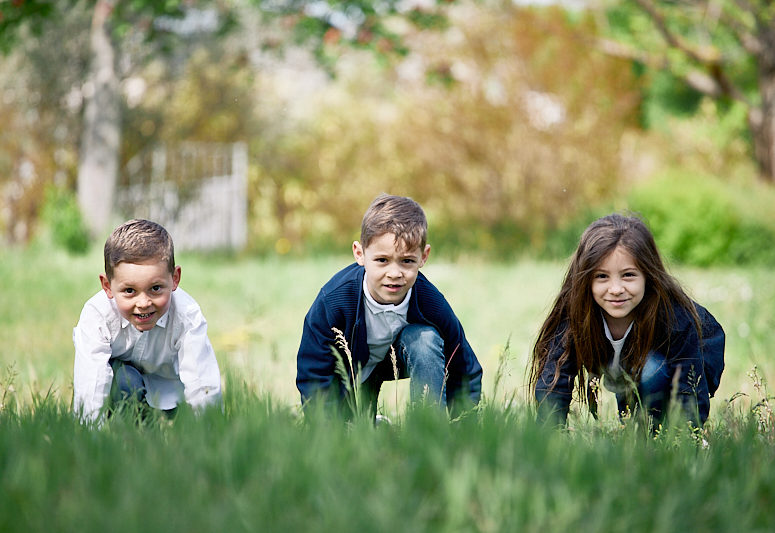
(618, 287)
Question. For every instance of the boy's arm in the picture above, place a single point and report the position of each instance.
(463, 372)
(92, 375)
(198, 367)
(314, 361)
(470, 370)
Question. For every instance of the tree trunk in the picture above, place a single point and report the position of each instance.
(762, 120)
(100, 144)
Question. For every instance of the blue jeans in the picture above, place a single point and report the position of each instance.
(127, 383)
(420, 357)
(654, 388)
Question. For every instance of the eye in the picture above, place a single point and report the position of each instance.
(129, 291)
(600, 275)
(156, 288)
(380, 260)
(409, 260)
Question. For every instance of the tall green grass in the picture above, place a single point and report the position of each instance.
(257, 466)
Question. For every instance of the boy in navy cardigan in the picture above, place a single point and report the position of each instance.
(395, 322)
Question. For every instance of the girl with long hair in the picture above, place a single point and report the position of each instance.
(621, 317)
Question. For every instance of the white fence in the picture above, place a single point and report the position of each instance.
(197, 191)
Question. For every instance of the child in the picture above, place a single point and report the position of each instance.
(141, 336)
(619, 314)
(383, 301)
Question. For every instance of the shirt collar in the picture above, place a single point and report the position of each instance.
(377, 308)
(611, 337)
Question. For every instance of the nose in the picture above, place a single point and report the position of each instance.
(616, 287)
(394, 271)
(143, 301)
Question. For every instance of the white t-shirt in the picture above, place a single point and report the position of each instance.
(615, 376)
(175, 357)
(383, 323)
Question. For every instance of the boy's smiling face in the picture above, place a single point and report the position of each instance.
(142, 291)
(391, 269)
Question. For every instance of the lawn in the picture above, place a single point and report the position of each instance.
(259, 466)
(255, 308)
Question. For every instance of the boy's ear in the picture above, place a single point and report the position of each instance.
(176, 278)
(358, 253)
(105, 283)
(425, 253)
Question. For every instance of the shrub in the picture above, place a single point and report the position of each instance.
(63, 217)
(700, 220)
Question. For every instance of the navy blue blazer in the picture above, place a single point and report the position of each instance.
(340, 304)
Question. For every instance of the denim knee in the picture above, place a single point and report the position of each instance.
(421, 343)
(422, 352)
(127, 382)
(654, 378)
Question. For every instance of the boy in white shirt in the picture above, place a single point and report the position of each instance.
(141, 336)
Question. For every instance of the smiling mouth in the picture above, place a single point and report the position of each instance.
(143, 316)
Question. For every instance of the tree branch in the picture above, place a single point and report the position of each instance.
(713, 83)
(744, 36)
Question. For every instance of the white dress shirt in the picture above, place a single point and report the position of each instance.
(175, 357)
(383, 323)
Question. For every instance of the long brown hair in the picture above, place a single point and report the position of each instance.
(576, 314)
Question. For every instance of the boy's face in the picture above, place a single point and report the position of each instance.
(391, 270)
(142, 291)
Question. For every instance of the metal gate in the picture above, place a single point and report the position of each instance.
(197, 191)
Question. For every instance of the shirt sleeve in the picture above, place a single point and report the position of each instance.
(92, 375)
(314, 361)
(685, 362)
(198, 366)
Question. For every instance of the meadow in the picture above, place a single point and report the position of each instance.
(260, 466)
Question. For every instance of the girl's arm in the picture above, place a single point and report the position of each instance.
(553, 398)
(685, 365)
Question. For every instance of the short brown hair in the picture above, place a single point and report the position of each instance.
(136, 241)
(399, 215)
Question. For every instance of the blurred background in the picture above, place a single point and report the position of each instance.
(258, 131)
(272, 124)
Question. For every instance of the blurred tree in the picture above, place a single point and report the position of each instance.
(503, 126)
(724, 49)
(123, 33)
(40, 83)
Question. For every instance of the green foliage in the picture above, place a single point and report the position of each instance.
(700, 220)
(63, 218)
(515, 135)
(16, 14)
(258, 466)
(708, 42)
(667, 96)
(563, 240)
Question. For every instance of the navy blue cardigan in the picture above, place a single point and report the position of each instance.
(700, 363)
(339, 304)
